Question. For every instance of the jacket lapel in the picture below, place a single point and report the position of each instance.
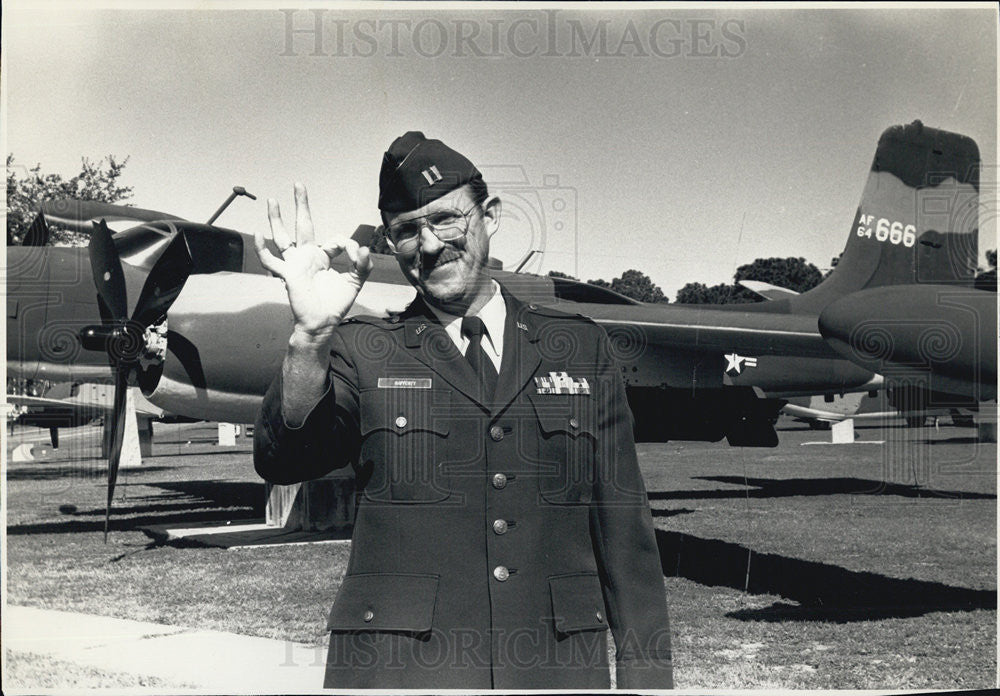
(430, 344)
(434, 348)
(520, 354)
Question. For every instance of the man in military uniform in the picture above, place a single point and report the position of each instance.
(502, 525)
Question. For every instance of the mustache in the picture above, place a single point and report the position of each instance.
(428, 262)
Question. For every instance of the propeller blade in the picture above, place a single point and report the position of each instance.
(79, 215)
(38, 234)
(187, 354)
(117, 437)
(106, 265)
(164, 282)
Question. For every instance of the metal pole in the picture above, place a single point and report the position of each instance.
(237, 191)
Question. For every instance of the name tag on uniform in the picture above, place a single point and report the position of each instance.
(561, 383)
(404, 382)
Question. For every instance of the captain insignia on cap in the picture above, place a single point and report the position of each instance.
(416, 171)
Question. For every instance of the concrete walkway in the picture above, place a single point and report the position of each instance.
(205, 660)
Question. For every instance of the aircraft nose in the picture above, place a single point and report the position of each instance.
(50, 297)
(27, 276)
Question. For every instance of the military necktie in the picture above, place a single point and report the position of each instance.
(473, 328)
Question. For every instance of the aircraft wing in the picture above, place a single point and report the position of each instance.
(690, 327)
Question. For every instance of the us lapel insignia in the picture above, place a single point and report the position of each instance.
(561, 383)
(523, 327)
(420, 329)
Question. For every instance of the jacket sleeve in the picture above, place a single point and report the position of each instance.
(625, 542)
(328, 439)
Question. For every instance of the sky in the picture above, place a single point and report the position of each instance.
(682, 142)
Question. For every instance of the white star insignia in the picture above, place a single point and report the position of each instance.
(733, 362)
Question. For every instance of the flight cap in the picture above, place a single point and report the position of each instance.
(416, 171)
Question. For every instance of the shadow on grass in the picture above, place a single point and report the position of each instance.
(204, 499)
(783, 488)
(858, 425)
(670, 513)
(824, 592)
(246, 451)
(954, 441)
(225, 493)
(86, 470)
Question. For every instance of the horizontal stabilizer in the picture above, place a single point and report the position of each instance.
(766, 290)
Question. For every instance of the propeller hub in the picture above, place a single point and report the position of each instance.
(122, 341)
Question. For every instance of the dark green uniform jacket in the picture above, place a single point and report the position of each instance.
(495, 541)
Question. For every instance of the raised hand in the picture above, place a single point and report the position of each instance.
(319, 296)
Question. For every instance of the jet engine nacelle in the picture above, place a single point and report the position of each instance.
(223, 347)
(227, 334)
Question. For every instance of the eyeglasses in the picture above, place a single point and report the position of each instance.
(447, 225)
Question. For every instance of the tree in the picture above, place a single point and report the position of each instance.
(697, 293)
(792, 273)
(97, 181)
(638, 286)
(560, 274)
(600, 283)
(833, 264)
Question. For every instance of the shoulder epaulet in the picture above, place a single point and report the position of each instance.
(554, 313)
(387, 322)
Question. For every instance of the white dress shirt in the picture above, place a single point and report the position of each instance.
(493, 314)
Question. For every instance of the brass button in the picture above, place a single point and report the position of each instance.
(500, 526)
(600, 616)
(501, 573)
(496, 432)
(369, 615)
(499, 481)
(401, 422)
(574, 423)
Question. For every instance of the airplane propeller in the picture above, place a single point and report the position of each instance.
(81, 215)
(126, 339)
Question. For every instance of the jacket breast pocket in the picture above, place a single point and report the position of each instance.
(577, 603)
(385, 602)
(566, 446)
(403, 437)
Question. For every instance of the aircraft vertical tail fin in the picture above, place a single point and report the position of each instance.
(918, 220)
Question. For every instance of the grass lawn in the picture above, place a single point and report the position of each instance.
(794, 567)
(28, 671)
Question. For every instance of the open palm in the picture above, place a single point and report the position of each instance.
(320, 296)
